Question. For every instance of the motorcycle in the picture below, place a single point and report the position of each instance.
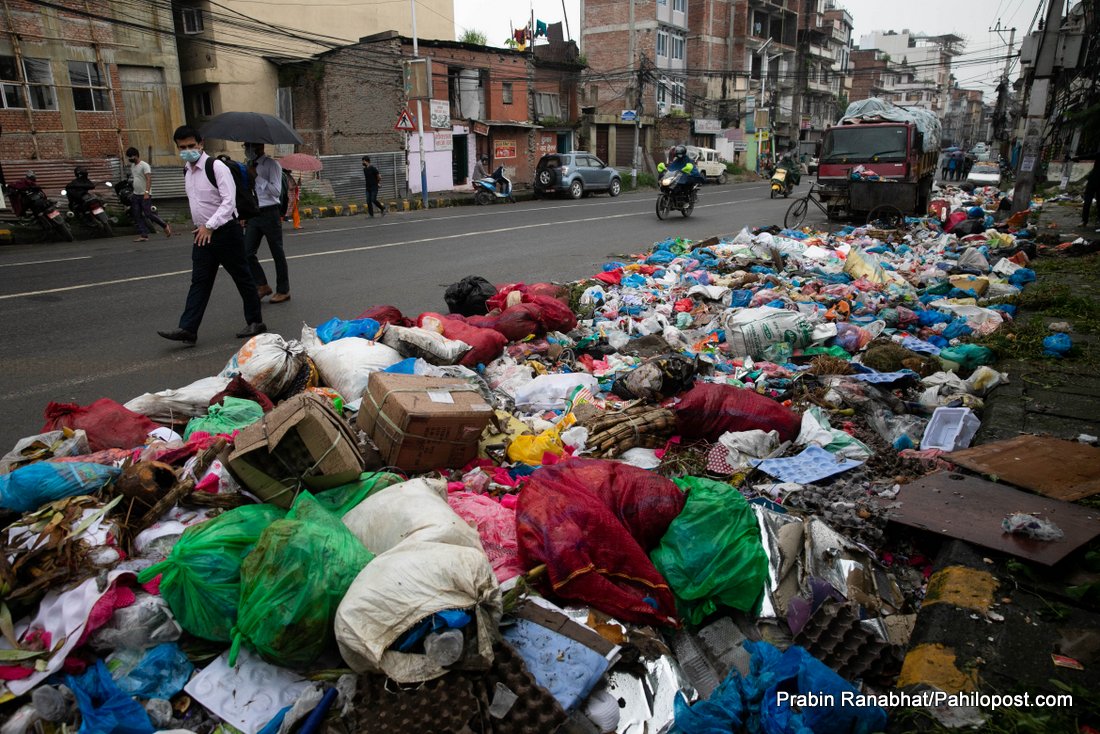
(781, 183)
(31, 204)
(679, 191)
(486, 190)
(124, 192)
(88, 208)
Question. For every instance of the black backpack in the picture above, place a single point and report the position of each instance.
(248, 205)
(284, 194)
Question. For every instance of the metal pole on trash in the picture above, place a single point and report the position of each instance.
(420, 117)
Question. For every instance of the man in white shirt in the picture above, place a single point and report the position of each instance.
(267, 177)
(218, 240)
(141, 202)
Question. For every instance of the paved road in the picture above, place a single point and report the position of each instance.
(79, 321)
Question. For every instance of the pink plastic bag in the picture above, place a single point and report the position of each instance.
(496, 525)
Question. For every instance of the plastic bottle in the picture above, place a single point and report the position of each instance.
(445, 646)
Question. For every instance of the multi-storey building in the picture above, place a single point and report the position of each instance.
(824, 46)
(923, 65)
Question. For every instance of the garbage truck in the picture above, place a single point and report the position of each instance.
(879, 157)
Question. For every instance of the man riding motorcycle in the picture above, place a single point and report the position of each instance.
(681, 162)
(27, 186)
(77, 189)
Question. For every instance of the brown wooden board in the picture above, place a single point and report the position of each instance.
(971, 509)
(1065, 470)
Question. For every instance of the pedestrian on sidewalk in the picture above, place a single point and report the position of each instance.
(141, 201)
(1092, 191)
(295, 193)
(373, 179)
(217, 240)
(266, 176)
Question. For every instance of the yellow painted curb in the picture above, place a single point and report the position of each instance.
(963, 587)
(353, 209)
(405, 205)
(307, 212)
(322, 211)
(337, 210)
(935, 665)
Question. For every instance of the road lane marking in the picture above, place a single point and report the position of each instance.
(44, 262)
(361, 248)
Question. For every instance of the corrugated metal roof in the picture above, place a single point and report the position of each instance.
(345, 173)
(55, 175)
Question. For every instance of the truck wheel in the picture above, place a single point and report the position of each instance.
(885, 216)
(722, 177)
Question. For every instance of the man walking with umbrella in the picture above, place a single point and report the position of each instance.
(266, 176)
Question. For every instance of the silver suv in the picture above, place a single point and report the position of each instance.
(577, 173)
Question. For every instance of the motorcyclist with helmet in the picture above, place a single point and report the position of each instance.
(481, 169)
(681, 162)
(77, 189)
(26, 188)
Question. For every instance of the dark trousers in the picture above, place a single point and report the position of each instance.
(142, 211)
(372, 201)
(226, 248)
(268, 223)
(1092, 191)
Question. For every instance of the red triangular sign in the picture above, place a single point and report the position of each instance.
(405, 121)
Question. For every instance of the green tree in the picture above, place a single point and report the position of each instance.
(473, 36)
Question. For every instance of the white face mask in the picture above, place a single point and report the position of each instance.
(191, 156)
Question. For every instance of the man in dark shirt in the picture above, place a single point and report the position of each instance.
(373, 179)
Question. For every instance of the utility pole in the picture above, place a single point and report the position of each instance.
(1000, 113)
(638, 96)
(1031, 155)
(420, 118)
(764, 63)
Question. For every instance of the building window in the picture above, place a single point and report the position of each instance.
(39, 78)
(678, 47)
(678, 93)
(662, 43)
(679, 6)
(759, 24)
(90, 92)
(202, 104)
(506, 92)
(662, 93)
(547, 105)
(192, 20)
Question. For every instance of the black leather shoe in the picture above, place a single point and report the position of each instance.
(180, 335)
(252, 330)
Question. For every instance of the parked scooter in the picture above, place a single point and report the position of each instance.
(679, 191)
(496, 187)
(30, 203)
(85, 206)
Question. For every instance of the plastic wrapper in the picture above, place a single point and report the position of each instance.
(1032, 526)
(104, 707)
(337, 328)
(44, 446)
(161, 672)
(145, 623)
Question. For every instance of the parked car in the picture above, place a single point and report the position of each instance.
(577, 173)
(709, 162)
(985, 173)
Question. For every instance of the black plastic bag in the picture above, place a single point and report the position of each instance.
(468, 296)
(656, 379)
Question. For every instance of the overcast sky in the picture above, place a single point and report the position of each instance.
(970, 19)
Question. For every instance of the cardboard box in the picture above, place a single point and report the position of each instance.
(423, 423)
(301, 443)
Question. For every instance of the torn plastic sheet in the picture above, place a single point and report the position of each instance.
(647, 703)
(249, 695)
(812, 465)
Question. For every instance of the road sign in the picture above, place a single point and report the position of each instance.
(405, 122)
(629, 115)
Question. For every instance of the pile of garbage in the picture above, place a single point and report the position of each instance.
(642, 498)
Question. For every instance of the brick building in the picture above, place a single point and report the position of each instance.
(506, 104)
(83, 83)
(870, 76)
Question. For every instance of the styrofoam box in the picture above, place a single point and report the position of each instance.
(950, 429)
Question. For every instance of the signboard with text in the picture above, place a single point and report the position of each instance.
(708, 126)
(480, 128)
(504, 149)
(441, 113)
(628, 115)
(547, 144)
(750, 103)
(444, 140)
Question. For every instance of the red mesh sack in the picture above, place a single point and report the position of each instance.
(239, 387)
(486, 344)
(708, 410)
(385, 315)
(519, 322)
(109, 425)
(593, 523)
(483, 322)
(499, 301)
(550, 290)
(555, 315)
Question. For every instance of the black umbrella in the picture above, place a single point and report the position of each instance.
(250, 127)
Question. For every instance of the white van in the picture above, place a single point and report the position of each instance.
(709, 163)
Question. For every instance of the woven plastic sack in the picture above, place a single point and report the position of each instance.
(486, 344)
(269, 363)
(201, 578)
(29, 487)
(231, 415)
(108, 424)
(711, 555)
(708, 410)
(293, 581)
(385, 315)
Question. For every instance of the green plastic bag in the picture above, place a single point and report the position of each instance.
(292, 583)
(711, 554)
(201, 578)
(231, 415)
(969, 356)
(343, 499)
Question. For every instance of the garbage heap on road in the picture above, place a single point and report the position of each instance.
(656, 496)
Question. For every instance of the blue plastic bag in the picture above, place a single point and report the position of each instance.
(31, 486)
(1057, 345)
(957, 328)
(1022, 277)
(740, 298)
(162, 672)
(104, 708)
(336, 328)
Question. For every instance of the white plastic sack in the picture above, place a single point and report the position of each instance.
(972, 257)
(181, 404)
(346, 365)
(269, 363)
(548, 392)
(75, 445)
(404, 585)
(431, 346)
(744, 446)
(749, 331)
(412, 510)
